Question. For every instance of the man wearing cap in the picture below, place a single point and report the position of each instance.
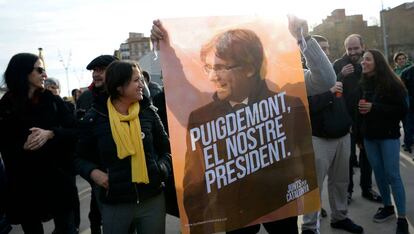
(97, 66)
(95, 94)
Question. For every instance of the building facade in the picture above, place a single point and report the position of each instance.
(135, 47)
(399, 29)
(124, 51)
(338, 26)
(397, 22)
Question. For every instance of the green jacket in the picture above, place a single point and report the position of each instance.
(399, 70)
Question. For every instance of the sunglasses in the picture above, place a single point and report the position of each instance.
(40, 70)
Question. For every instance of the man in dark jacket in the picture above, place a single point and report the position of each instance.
(331, 144)
(95, 94)
(154, 88)
(407, 77)
(97, 66)
(348, 70)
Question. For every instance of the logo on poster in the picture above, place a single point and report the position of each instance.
(297, 189)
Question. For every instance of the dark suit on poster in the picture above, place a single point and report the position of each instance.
(242, 202)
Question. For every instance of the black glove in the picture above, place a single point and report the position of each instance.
(164, 164)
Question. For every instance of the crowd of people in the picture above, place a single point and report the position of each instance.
(115, 135)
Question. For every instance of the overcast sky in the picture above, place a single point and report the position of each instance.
(81, 30)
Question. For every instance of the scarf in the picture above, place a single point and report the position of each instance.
(126, 132)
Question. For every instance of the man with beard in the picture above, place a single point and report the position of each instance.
(348, 70)
(95, 93)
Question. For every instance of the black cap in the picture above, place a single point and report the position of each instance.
(101, 61)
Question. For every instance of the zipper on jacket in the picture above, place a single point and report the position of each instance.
(136, 191)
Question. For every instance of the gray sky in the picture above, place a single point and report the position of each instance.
(86, 29)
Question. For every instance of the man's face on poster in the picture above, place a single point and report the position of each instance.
(231, 80)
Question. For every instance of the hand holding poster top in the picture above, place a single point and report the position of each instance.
(234, 87)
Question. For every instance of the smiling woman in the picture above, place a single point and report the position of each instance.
(131, 159)
(36, 143)
(383, 104)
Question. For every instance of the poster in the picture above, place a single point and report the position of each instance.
(238, 120)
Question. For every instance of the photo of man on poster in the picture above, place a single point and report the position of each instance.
(243, 147)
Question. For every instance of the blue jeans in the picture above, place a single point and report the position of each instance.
(384, 157)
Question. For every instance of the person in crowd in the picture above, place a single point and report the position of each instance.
(382, 105)
(53, 85)
(331, 144)
(159, 102)
(324, 44)
(154, 88)
(75, 96)
(408, 78)
(36, 145)
(401, 62)
(170, 191)
(348, 70)
(94, 92)
(124, 151)
(95, 95)
(5, 227)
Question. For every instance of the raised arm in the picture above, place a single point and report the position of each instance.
(184, 90)
(320, 76)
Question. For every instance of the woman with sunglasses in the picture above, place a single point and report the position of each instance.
(37, 136)
(124, 150)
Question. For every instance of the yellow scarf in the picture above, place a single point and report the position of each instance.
(128, 140)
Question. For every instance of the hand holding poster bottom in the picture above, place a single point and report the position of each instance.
(253, 136)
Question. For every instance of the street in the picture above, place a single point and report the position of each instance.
(360, 211)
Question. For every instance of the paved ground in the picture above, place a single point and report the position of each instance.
(360, 210)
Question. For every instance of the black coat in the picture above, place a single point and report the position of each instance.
(317, 104)
(159, 102)
(39, 183)
(350, 82)
(327, 119)
(96, 149)
(388, 109)
(408, 78)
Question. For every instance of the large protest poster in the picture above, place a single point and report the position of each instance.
(239, 124)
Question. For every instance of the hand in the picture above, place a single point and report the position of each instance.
(37, 138)
(158, 33)
(364, 107)
(295, 25)
(100, 178)
(337, 88)
(163, 170)
(347, 69)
